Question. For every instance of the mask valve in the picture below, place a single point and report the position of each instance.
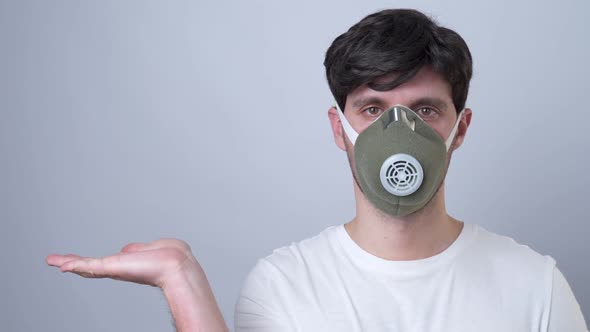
(401, 174)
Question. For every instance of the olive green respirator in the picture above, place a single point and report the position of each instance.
(400, 160)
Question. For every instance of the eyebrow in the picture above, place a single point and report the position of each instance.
(365, 101)
(435, 101)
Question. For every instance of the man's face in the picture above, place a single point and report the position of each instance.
(427, 94)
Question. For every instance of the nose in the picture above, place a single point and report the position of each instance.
(399, 113)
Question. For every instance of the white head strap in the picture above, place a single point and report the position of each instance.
(352, 134)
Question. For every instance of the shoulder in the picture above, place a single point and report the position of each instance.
(506, 251)
(515, 270)
(537, 281)
(277, 280)
(289, 261)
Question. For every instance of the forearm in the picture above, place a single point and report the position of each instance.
(192, 303)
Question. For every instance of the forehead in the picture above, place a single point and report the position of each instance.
(426, 84)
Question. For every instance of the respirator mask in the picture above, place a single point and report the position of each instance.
(399, 159)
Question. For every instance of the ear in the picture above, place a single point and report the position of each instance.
(462, 128)
(336, 127)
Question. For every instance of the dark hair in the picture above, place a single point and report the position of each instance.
(398, 41)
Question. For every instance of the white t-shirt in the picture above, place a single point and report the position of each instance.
(482, 282)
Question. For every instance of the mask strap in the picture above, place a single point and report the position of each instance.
(454, 131)
(350, 132)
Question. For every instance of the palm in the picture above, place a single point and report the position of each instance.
(151, 264)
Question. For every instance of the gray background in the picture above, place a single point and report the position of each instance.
(133, 120)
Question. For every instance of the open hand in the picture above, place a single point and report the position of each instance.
(165, 263)
(151, 263)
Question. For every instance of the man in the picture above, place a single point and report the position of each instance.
(402, 264)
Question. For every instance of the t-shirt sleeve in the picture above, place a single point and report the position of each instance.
(258, 306)
(565, 313)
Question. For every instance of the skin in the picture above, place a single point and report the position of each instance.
(165, 263)
(170, 265)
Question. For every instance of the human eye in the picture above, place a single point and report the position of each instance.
(427, 112)
(372, 111)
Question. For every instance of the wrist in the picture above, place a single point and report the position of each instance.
(188, 276)
(191, 300)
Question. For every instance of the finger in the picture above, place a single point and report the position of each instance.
(58, 260)
(135, 267)
(122, 266)
(85, 267)
(157, 244)
(135, 247)
(170, 243)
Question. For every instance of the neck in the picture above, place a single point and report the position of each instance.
(421, 234)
